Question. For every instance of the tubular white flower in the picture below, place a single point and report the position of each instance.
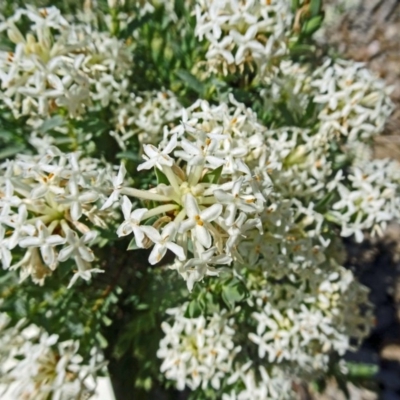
(132, 221)
(197, 221)
(46, 242)
(5, 253)
(117, 187)
(198, 175)
(75, 199)
(48, 193)
(20, 226)
(235, 202)
(197, 268)
(157, 158)
(163, 242)
(76, 248)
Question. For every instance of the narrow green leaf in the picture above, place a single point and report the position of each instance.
(101, 340)
(193, 310)
(51, 123)
(315, 7)
(10, 151)
(161, 177)
(312, 25)
(6, 135)
(191, 81)
(129, 155)
(321, 205)
(212, 176)
(361, 370)
(295, 5)
(232, 295)
(132, 245)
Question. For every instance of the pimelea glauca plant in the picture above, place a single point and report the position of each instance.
(176, 178)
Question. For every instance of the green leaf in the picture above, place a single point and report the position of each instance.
(302, 49)
(101, 340)
(213, 176)
(295, 5)
(321, 205)
(331, 218)
(6, 135)
(191, 81)
(233, 293)
(161, 177)
(11, 151)
(315, 7)
(312, 25)
(51, 123)
(286, 114)
(129, 155)
(193, 310)
(106, 321)
(136, 24)
(132, 245)
(361, 370)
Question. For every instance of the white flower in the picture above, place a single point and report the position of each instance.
(157, 158)
(163, 242)
(132, 221)
(197, 268)
(19, 225)
(58, 64)
(197, 220)
(46, 242)
(76, 248)
(75, 199)
(38, 365)
(235, 201)
(5, 253)
(117, 186)
(200, 153)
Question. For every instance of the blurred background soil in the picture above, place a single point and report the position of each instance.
(369, 31)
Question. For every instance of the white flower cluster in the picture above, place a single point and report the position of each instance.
(249, 33)
(350, 100)
(200, 353)
(232, 180)
(299, 163)
(297, 322)
(145, 116)
(36, 366)
(259, 204)
(286, 246)
(370, 200)
(197, 352)
(47, 201)
(291, 85)
(356, 104)
(59, 65)
(259, 383)
(305, 307)
(209, 197)
(302, 319)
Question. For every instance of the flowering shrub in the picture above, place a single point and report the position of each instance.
(175, 182)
